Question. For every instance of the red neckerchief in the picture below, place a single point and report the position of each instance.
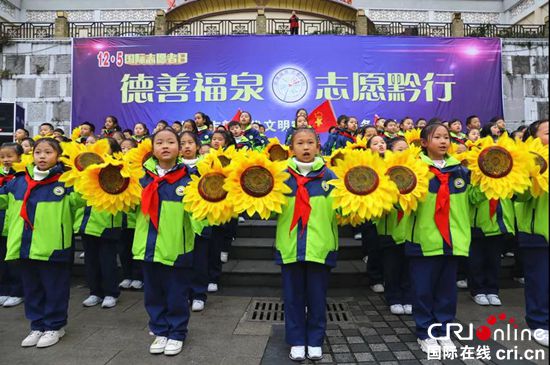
(493, 204)
(150, 195)
(302, 209)
(400, 215)
(4, 179)
(348, 135)
(443, 205)
(31, 184)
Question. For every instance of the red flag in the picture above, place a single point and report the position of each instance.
(237, 116)
(322, 117)
(171, 4)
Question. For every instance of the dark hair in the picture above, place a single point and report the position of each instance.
(486, 130)
(193, 135)
(228, 137)
(421, 118)
(128, 130)
(132, 141)
(298, 110)
(92, 127)
(533, 128)
(404, 119)
(473, 129)
(16, 147)
(233, 123)
(303, 130)
(50, 125)
(221, 127)
(169, 130)
(115, 122)
(469, 119)
(62, 139)
(24, 131)
(331, 129)
(393, 141)
(52, 142)
(434, 120)
(454, 120)
(144, 127)
(250, 115)
(176, 122)
(388, 121)
(59, 130)
(342, 118)
(30, 140)
(193, 124)
(429, 130)
(207, 120)
(163, 122)
(369, 142)
(113, 145)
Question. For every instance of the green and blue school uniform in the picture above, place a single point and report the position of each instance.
(306, 248)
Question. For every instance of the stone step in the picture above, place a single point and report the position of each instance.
(266, 229)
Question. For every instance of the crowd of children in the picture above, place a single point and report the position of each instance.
(415, 259)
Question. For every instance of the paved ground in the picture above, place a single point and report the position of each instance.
(225, 334)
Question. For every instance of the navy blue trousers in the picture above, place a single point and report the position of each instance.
(371, 246)
(216, 246)
(535, 266)
(10, 277)
(101, 266)
(166, 290)
(46, 286)
(484, 264)
(433, 280)
(397, 287)
(230, 232)
(131, 269)
(305, 284)
(200, 279)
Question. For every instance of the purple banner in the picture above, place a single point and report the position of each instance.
(146, 79)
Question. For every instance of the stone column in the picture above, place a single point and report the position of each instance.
(361, 23)
(457, 26)
(261, 22)
(61, 25)
(161, 26)
(546, 27)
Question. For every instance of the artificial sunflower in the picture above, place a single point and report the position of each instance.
(21, 166)
(257, 185)
(500, 168)
(205, 197)
(112, 185)
(138, 156)
(412, 137)
(539, 171)
(359, 144)
(225, 156)
(336, 156)
(75, 134)
(275, 151)
(77, 157)
(352, 220)
(362, 186)
(411, 176)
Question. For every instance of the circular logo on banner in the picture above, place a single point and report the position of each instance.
(179, 190)
(59, 190)
(289, 85)
(459, 183)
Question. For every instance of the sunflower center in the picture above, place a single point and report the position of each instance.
(111, 181)
(257, 181)
(337, 157)
(361, 148)
(416, 143)
(540, 162)
(495, 162)
(277, 153)
(403, 177)
(361, 180)
(224, 160)
(211, 187)
(85, 159)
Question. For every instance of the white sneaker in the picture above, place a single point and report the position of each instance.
(109, 302)
(173, 347)
(81, 256)
(32, 339)
(540, 336)
(462, 284)
(197, 306)
(136, 284)
(50, 338)
(397, 309)
(377, 288)
(212, 288)
(125, 284)
(494, 299)
(358, 237)
(297, 353)
(158, 345)
(447, 345)
(314, 353)
(509, 254)
(481, 299)
(429, 345)
(241, 220)
(3, 299)
(408, 308)
(224, 256)
(91, 301)
(520, 280)
(12, 302)
(365, 259)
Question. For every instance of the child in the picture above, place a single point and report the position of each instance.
(176, 126)
(348, 134)
(421, 123)
(491, 129)
(306, 246)
(299, 122)
(58, 132)
(395, 264)
(91, 139)
(241, 142)
(20, 135)
(45, 130)
(127, 133)
(369, 132)
(472, 122)
(28, 145)
(118, 137)
(202, 122)
(435, 236)
(164, 241)
(252, 135)
(406, 125)
(390, 130)
(100, 232)
(127, 144)
(11, 292)
(161, 124)
(40, 220)
(330, 144)
(455, 127)
(473, 134)
(140, 132)
(189, 126)
(532, 223)
(111, 126)
(86, 129)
